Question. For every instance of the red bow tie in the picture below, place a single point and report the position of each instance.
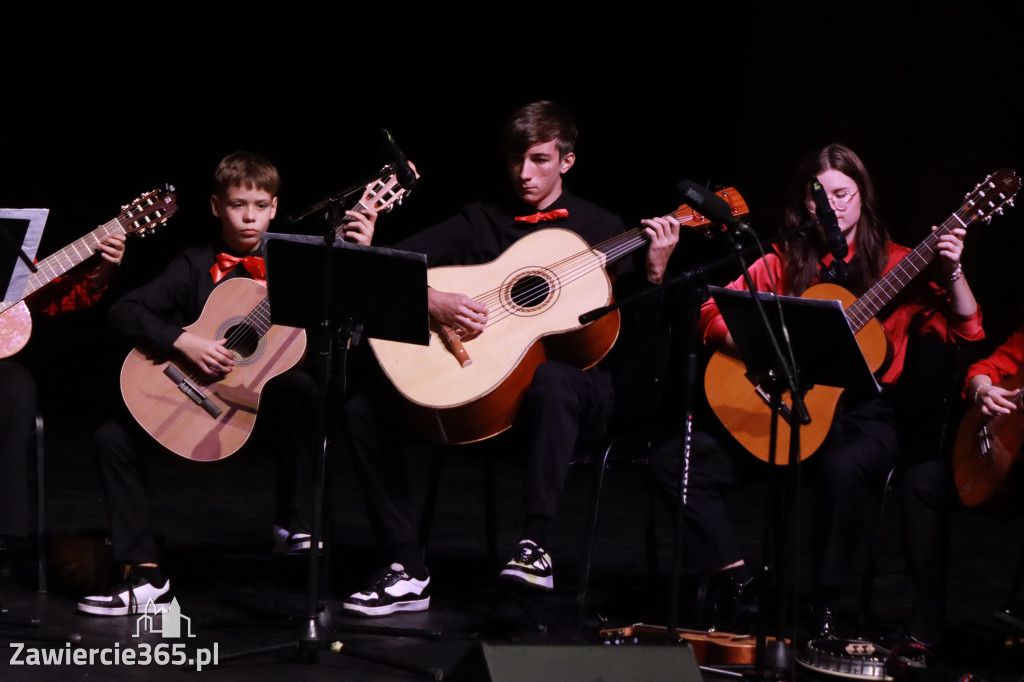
(226, 263)
(544, 215)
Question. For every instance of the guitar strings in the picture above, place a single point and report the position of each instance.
(579, 265)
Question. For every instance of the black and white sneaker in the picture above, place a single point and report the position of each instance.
(530, 565)
(134, 595)
(390, 590)
(292, 541)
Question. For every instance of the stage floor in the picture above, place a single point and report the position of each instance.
(239, 600)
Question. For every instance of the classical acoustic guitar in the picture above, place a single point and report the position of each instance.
(535, 291)
(203, 419)
(744, 407)
(142, 216)
(986, 451)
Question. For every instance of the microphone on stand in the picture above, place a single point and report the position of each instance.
(404, 173)
(837, 246)
(711, 206)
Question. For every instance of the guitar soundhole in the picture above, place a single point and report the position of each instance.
(243, 340)
(530, 291)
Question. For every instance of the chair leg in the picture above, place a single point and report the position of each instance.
(430, 502)
(490, 512)
(871, 562)
(591, 533)
(40, 507)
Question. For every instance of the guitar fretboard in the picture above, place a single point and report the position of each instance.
(58, 263)
(864, 309)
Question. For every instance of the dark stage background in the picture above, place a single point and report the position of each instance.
(100, 106)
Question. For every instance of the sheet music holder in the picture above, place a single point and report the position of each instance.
(21, 230)
(824, 344)
(384, 290)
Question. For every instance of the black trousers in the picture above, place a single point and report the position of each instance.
(18, 408)
(287, 423)
(563, 405)
(849, 473)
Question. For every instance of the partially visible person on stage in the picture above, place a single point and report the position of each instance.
(76, 290)
(863, 445)
(244, 201)
(983, 376)
(563, 405)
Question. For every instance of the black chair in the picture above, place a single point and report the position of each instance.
(927, 402)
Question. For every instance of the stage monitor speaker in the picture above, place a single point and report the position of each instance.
(577, 662)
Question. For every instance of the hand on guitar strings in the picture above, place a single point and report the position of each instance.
(994, 400)
(664, 235)
(359, 225)
(460, 312)
(111, 251)
(212, 357)
(950, 247)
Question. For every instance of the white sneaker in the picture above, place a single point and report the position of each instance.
(530, 565)
(390, 590)
(128, 597)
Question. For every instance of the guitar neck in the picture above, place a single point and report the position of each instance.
(864, 309)
(58, 263)
(627, 242)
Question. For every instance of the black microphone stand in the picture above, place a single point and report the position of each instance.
(784, 376)
(336, 333)
(695, 282)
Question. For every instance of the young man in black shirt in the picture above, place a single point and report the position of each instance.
(563, 404)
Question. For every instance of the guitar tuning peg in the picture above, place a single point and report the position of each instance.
(169, 186)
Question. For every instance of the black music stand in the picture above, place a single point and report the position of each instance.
(345, 292)
(825, 352)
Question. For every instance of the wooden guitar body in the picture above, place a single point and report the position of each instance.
(529, 304)
(744, 408)
(986, 451)
(187, 412)
(15, 329)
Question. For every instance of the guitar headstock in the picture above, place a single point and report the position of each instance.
(149, 211)
(689, 218)
(990, 197)
(384, 193)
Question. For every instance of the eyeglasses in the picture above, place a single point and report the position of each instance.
(841, 198)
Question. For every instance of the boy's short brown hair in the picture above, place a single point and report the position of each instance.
(246, 169)
(536, 123)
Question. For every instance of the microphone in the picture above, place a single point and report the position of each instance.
(711, 206)
(404, 173)
(836, 272)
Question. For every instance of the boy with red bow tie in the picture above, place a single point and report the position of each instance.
(245, 201)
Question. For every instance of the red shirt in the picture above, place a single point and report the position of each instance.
(72, 291)
(926, 313)
(1004, 362)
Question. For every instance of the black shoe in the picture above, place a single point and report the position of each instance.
(731, 605)
(134, 595)
(390, 590)
(293, 540)
(530, 565)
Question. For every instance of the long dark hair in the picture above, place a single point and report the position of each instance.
(802, 253)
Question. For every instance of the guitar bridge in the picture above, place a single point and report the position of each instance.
(985, 442)
(191, 391)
